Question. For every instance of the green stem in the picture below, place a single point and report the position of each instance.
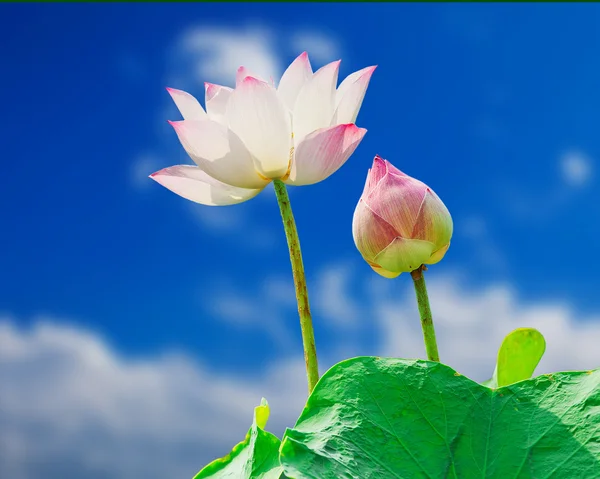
(291, 234)
(425, 313)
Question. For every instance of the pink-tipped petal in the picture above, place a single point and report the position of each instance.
(293, 79)
(218, 151)
(216, 100)
(350, 95)
(193, 184)
(375, 174)
(323, 152)
(371, 233)
(242, 74)
(395, 171)
(258, 116)
(397, 199)
(187, 105)
(404, 255)
(315, 103)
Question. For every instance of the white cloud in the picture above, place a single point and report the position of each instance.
(471, 324)
(321, 47)
(331, 297)
(262, 307)
(215, 53)
(240, 309)
(280, 290)
(576, 168)
(70, 406)
(211, 53)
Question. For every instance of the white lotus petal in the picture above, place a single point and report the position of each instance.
(242, 73)
(258, 116)
(350, 95)
(323, 152)
(218, 151)
(216, 100)
(293, 79)
(187, 105)
(315, 103)
(192, 183)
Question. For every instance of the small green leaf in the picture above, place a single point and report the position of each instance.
(372, 418)
(518, 356)
(261, 413)
(256, 457)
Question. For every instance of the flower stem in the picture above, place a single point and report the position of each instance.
(425, 313)
(291, 234)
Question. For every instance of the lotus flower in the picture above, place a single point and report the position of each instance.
(300, 132)
(399, 223)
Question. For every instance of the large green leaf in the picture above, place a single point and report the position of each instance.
(374, 418)
(254, 458)
(518, 356)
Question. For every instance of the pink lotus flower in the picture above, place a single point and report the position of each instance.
(399, 222)
(300, 132)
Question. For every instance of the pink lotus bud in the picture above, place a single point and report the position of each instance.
(399, 222)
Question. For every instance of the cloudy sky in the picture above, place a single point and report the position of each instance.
(138, 330)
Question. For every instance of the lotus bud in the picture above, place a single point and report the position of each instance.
(399, 223)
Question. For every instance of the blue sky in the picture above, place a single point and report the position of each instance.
(496, 107)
